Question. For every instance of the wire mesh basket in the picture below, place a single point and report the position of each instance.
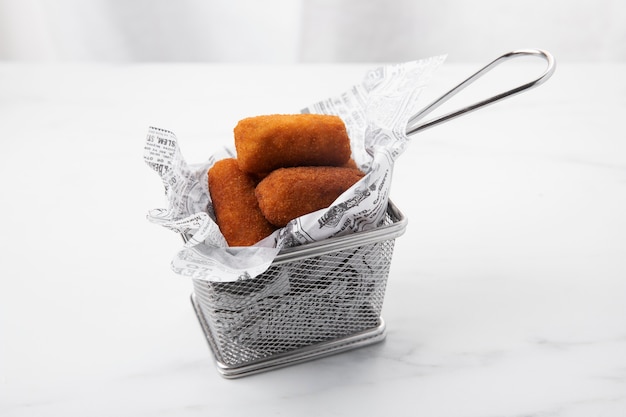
(324, 297)
(314, 300)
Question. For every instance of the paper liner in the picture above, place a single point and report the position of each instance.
(375, 111)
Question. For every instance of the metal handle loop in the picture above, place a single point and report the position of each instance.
(414, 127)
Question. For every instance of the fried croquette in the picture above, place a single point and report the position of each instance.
(265, 143)
(236, 209)
(287, 193)
(351, 164)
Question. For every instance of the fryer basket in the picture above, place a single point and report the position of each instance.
(314, 300)
(325, 297)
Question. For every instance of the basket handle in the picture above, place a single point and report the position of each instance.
(415, 124)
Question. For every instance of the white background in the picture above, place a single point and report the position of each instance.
(292, 31)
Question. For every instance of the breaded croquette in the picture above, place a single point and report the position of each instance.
(265, 143)
(236, 209)
(351, 164)
(287, 193)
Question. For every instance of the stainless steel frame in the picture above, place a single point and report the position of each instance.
(242, 321)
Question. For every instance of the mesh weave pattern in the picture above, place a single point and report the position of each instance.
(296, 304)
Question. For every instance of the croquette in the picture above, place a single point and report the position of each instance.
(236, 209)
(287, 193)
(268, 142)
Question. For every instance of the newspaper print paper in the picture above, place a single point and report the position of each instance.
(375, 112)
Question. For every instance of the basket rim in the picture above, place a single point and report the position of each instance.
(338, 243)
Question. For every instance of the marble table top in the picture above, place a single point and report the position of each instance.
(506, 297)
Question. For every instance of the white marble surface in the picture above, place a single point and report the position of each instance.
(507, 295)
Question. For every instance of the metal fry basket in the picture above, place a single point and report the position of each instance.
(314, 300)
(320, 298)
